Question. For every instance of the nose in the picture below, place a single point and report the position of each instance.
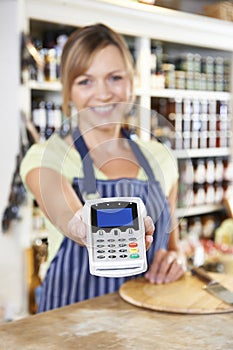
(103, 91)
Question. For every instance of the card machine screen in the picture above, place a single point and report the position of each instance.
(114, 214)
(114, 217)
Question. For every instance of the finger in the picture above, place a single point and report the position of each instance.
(164, 267)
(149, 230)
(149, 225)
(77, 232)
(161, 266)
(154, 268)
(82, 233)
(149, 241)
(77, 229)
(176, 270)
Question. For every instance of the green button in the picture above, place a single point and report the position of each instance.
(134, 256)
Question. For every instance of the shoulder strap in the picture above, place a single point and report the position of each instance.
(142, 160)
(89, 176)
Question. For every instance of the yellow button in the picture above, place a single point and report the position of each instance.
(133, 250)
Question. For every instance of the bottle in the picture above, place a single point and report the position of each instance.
(32, 279)
(169, 75)
(228, 170)
(65, 126)
(60, 40)
(39, 64)
(219, 192)
(203, 137)
(219, 169)
(159, 74)
(185, 183)
(187, 114)
(50, 69)
(39, 117)
(209, 193)
(212, 116)
(25, 60)
(210, 171)
(179, 79)
(50, 127)
(195, 117)
(199, 194)
(37, 255)
(57, 115)
(153, 68)
(199, 171)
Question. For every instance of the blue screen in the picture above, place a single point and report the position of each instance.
(114, 217)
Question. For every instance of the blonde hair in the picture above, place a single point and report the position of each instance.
(79, 51)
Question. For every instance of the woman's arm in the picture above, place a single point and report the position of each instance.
(58, 201)
(169, 265)
(60, 204)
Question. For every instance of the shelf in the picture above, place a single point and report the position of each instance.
(45, 86)
(198, 210)
(192, 94)
(137, 19)
(168, 93)
(202, 153)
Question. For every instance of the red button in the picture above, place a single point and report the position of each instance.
(133, 245)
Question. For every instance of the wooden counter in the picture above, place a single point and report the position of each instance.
(108, 322)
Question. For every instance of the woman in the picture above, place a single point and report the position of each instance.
(100, 158)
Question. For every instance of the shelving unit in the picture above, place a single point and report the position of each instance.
(142, 25)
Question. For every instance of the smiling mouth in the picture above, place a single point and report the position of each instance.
(104, 109)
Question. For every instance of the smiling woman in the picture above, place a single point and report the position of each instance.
(99, 158)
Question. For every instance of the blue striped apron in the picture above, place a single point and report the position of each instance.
(68, 279)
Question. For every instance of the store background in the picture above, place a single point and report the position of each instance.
(10, 251)
(13, 302)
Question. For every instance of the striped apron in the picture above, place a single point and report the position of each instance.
(68, 279)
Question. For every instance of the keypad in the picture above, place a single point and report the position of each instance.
(117, 244)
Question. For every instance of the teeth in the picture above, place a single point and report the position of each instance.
(102, 109)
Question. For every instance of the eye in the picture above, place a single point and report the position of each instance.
(83, 82)
(117, 77)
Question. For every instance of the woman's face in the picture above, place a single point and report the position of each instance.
(100, 89)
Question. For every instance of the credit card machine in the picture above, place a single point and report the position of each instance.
(115, 236)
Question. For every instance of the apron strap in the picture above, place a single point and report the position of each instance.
(89, 176)
(142, 160)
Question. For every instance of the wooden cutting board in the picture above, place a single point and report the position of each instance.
(183, 296)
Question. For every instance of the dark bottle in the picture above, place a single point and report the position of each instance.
(57, 115)
(50, 127)
(25, 60)
(65, 127)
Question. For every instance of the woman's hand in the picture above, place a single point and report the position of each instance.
(77, 229)
(149, 228)
(167, 266)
